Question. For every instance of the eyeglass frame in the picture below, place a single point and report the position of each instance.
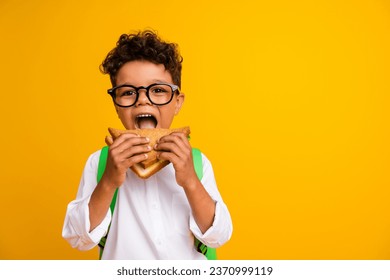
(111, 92)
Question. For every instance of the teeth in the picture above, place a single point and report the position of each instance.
(145, 120)
(144, 116)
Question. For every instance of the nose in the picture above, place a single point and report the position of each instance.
(142, 98)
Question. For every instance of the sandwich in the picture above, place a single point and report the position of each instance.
(151, 165)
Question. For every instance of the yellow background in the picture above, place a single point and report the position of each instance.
(288, 99)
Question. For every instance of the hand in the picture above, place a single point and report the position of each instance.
(127, 150)
(176, 149)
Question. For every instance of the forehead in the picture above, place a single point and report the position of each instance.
(141, 73)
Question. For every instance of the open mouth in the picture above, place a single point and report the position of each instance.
(145, 121)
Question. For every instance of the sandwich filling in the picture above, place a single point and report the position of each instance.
(145, 121)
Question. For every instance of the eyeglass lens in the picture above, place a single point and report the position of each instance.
(157, 94)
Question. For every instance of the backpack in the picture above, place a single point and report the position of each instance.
(209, 252)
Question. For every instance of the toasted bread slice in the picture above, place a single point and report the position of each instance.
(151, 165)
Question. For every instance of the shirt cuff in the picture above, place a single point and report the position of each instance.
(219, 231)
(81, 225)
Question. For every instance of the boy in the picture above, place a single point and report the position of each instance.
(156, 218)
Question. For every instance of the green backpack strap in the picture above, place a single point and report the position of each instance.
(100, 172)
(101, 168)
(210, 253)
(102, 162)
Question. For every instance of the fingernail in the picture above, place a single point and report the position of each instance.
(146, 155)
(147, 139)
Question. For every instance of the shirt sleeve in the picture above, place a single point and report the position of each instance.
(77, 224)
(221, 229)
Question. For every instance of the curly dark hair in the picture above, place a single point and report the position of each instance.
(144, 45)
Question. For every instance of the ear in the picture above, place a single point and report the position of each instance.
(179, 102)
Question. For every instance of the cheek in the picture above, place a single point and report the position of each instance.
(124, 116)
(166, 115)
(120, 113)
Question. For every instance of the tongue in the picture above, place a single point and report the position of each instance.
(146, 123)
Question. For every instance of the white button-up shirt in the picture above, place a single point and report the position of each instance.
(152, 218)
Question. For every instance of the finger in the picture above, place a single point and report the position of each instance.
(176, 137)
(183, 137)
(117, 141)
(168, 156)
(127, 142)
(129, 147)
(109, 140)
(135, 150)
(136, 159)
(170, 147)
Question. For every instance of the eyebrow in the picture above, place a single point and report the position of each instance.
(156, 81)
(160, 81)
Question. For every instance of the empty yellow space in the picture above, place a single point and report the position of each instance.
(288, 99)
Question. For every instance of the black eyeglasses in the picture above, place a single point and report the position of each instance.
(127, 95)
